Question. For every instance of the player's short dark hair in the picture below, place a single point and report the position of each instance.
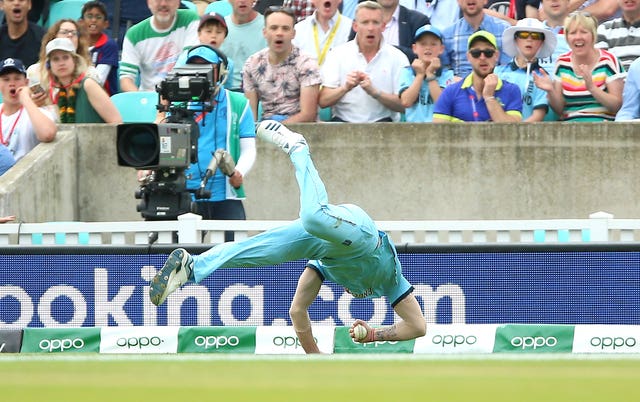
(94, 4)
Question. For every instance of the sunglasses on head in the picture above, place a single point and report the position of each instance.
(488, 53)
(532, 35)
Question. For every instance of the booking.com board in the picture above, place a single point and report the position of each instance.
(106, 286)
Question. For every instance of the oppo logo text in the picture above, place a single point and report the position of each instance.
(216, 341)
(613, 343)
(60, 345)
(139, 342)
(526, 342)
(454, 340)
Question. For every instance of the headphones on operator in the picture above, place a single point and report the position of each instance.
(221, 73)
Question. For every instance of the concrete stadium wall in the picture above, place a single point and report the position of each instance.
(394, 171)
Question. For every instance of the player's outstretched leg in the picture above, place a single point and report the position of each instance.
(275, 133)
(347, 227)
(177, 270)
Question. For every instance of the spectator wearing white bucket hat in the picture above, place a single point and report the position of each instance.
(527, 42)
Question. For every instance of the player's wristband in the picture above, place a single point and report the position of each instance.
(371, 336)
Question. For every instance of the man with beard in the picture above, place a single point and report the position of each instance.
(456, 36)
(19, 37)
(152, 46)
(481, 96)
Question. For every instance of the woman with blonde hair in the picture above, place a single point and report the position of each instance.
(588, 81)
(64, 28)
(79, 98)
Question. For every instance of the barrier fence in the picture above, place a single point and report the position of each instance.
(189, 229)
(263, 340)
(573, 296)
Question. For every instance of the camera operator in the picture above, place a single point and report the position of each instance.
(228, 131)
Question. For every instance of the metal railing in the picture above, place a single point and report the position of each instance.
(189, 229)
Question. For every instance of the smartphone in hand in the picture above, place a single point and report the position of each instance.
(36, 89)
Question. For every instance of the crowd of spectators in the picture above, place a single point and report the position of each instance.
(367, 61)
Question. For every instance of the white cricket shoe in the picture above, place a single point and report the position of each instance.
(176, 271)
(277, 134)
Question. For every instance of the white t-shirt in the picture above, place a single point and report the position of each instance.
(384, 70)
(18, 130)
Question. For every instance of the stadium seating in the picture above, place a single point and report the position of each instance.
(136, 107)
(222, 7)
(501, 7)
(189, 4)
(65, 9)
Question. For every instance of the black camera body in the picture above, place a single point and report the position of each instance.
(168, 149)
(191, 83)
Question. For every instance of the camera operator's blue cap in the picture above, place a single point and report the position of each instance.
(204, 52)
(427, 29)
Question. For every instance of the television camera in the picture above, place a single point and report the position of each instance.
(168, 149)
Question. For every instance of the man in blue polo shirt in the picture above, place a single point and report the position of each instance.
(481, 96)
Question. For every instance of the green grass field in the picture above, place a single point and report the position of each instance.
(325, 378)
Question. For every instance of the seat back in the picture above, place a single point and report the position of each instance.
(65, 9)
(501, 7)
(222, 7)
(189, 5)
(136, 107)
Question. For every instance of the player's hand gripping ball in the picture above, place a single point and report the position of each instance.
(359, 333)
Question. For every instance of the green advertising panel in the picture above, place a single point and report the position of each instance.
(520, 338)
(344, 344)
(217, 340)
(60, 340)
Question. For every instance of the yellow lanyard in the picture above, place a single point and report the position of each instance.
(327, 44)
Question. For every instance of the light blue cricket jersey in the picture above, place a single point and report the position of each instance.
(532, 96)
(422, 110)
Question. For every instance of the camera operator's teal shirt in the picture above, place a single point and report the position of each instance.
(223, 127)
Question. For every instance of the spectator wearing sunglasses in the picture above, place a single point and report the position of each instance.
(481, 95)
(526, 42)
(587, 82)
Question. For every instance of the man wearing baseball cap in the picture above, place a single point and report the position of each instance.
(422, 83)
(22, 124)
(227, 134)
(481, 95)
